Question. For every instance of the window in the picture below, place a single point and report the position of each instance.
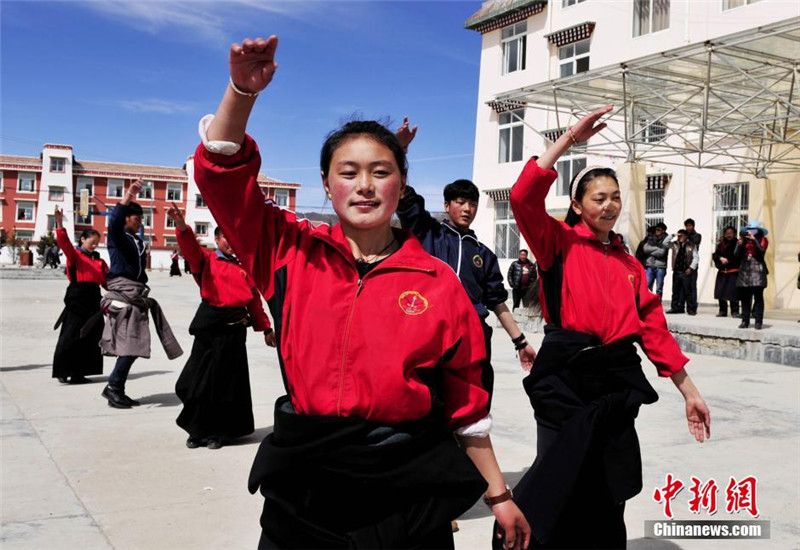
(57, 164)
(147, 218)
(200, 202)
(282, 197)
(573, 58)
(147, 190)
(170, 242)
(26, 182)
(24, 235)
(511, 132)
(85, 183)
(506, 233)
(116, 189)
(730, 4)
(567, 3)
(652, 132)
(568, 167)
(83, 220)
(174, 192)
(1, 185)
(51, 223)
(26, 211)
(731, 202)
(201, 229)
(169, 224)
(654, 199)
(513, 41)
(55, 193)
(650, 16)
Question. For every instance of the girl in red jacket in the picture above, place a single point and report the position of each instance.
(214, 386)
(78, 355)
(380, 345)
(586, 384)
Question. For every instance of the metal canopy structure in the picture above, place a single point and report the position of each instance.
(731, 103)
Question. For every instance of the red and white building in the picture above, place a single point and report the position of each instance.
(31, 188)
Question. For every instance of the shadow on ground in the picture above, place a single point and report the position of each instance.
(254, 438)
(25, 367)
(160, 399)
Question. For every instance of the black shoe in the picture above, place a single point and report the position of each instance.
(735, 315)
(63, 380)
(744, 324)
(214, 443)
(115, 398)
(758, 325)
(131, 402)
(720, 314)
(79, 380)
(692, 313)
(193, 443)
(673, 311)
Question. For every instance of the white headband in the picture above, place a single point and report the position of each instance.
(574, 186)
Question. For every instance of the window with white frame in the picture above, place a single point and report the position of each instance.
(506, 232)
(85, 183)
(1, 184)
(568, 167)
(650, 16)
(169, 223)
(26, 182)
(730, 4)
(26, 211)
(731, 204)
(566, 3)
(513, 40)
(201, 229)
(83, 220)
(55, 194)
(116, 189)
(174, 192)
(199, 201)
(282, 197)
(170, 242)
(511, 135)
(147, 190)
(573, 58)
(24, 235)
(147, 217)
(654, 199)
(57, 164)
(51, 222)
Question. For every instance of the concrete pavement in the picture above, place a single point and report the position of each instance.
(78, 474)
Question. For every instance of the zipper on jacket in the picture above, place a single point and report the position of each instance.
(344, 345)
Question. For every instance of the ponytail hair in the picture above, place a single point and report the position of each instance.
(87, 234)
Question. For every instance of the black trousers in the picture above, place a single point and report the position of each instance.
(752, 303)
(723, 307)
(684, 292)
(517, 294)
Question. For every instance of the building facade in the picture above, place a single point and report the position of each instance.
(530, 42)
(31, 188)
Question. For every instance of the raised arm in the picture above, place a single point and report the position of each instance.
(62, 238)
(187, 241)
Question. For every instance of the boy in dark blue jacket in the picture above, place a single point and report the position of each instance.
(453, 242)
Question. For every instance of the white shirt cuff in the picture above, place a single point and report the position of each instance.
(481, 428)
(222, 147)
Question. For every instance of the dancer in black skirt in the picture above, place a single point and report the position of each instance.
(77, 352)
(215, 383)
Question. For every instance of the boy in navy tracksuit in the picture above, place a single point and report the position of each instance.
(453, 242)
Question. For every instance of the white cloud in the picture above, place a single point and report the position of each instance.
(158, 106)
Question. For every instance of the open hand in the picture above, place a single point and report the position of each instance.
(513, 527)
(405, 135)
(698, 417)
(526, 357)
(135, 187)
(58, 214)
(585, 128)
(252, 64)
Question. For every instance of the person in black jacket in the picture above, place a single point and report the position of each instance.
(727, 265)
(453, 242)
(521, 276)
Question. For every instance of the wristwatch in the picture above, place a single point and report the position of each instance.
(491, 501)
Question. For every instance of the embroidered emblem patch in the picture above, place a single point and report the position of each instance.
(477, 260)
(412, 302)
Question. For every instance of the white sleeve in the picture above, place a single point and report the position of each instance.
(695, 259)
(222, 147)
(481, 428)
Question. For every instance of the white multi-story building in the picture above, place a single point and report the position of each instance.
(706, 122)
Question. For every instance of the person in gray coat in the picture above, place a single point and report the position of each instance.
(656, 250)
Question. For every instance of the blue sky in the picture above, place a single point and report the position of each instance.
(127, 81)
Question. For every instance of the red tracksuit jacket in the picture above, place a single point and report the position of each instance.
(81, 268)
(351, 347)
(223, 283)
(601, 284)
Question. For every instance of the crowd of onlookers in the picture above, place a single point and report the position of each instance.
(739, 260)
